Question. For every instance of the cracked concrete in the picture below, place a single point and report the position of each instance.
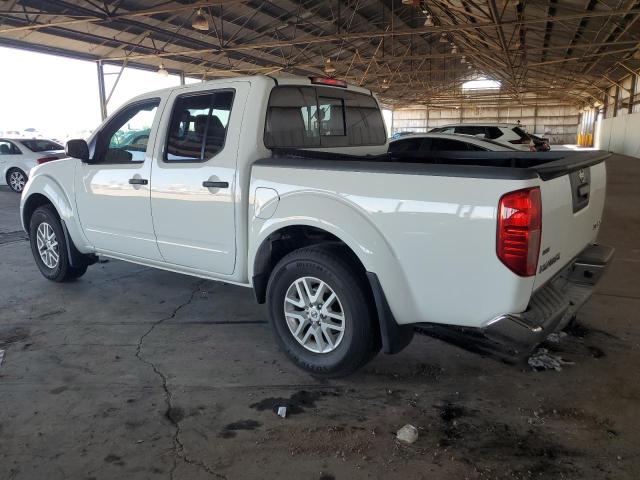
(141, 374)
(174, 414)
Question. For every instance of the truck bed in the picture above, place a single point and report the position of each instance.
(504, 165)
(436, 215)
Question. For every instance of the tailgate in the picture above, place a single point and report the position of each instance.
(572, 205)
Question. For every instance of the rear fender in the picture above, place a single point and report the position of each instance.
(350, 224)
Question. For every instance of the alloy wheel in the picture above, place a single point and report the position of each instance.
(314, 315)
(17, 181)
(47, 245)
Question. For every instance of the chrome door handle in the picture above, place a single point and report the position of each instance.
(138, 181)
(209, 184)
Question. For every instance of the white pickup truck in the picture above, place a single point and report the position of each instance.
(284, 185)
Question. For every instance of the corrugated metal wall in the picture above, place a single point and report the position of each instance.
(558, 123)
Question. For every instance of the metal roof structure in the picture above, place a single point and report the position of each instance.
(408, 51)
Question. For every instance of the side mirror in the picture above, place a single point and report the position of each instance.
(77, 148)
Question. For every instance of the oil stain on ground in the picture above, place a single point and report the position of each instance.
(230, 430)
(296, 403)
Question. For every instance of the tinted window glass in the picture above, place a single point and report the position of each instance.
(296, 117)
(292, 118)
(444, 144)
(41, 145)
(493, 132)
(365, 125)
(8, 148)
(331, 116)
(470, 130)
(409, 144)
(115, 144)
(198, 126)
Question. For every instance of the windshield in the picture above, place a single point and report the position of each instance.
(41, 145)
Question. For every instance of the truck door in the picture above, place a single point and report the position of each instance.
(112, 191)
(193, 183)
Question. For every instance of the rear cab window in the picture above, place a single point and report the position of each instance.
(308, 116)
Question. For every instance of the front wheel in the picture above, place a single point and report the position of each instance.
(321, 312)
(16, 179)
(49, 247)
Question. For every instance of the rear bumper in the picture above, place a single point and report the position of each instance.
(550, 309)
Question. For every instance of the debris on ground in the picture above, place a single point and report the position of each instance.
(543, 360)
(1, 356)
(407, 434)
(556, 337)
(282, 412)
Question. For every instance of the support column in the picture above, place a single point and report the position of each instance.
(182, 82)
(101, 90)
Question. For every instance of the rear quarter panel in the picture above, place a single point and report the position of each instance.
(430, 239)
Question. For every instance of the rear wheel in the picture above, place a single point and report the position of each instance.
(320, 312)
(49, 247)
(16, 179)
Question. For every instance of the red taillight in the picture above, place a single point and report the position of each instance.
(519, 230)
(45, 160)
(328, 81)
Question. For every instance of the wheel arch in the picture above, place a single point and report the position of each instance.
(285, 239)
(42, 190)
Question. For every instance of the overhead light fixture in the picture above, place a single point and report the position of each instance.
(463, 59)
(200, 22)
(469, 67)
(329, 68)
(454, 50)
(407, 2)
(162, 71)
(385, 84)
(428, 22)
(443, 38)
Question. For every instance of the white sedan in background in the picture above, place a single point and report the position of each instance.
(19, 155)
(446, 142)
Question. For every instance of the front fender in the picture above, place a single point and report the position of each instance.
(44, 183)
(351, 225)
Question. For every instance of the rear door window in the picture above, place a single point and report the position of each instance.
(198, 126)
(8, 148)
(322, 117)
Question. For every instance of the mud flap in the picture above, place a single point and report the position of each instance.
(394, 337)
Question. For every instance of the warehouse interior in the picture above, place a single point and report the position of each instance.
(139, 373)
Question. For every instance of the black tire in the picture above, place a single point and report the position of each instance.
(18, 188)
(360, 340)
(62, 271)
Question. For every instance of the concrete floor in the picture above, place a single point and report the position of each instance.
(136, 373)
